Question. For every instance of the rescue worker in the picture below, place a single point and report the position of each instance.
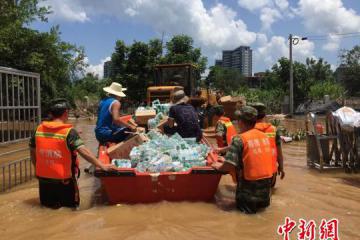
(224, 130)
(53, 151)
(198, 103)
(109, 125)
(275, 140)
(250, 154)
(185, 117)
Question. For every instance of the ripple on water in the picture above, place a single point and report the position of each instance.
(302, 194)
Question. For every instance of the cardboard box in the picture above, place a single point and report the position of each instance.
(231, 104)
(225, 99)
(122, 150)
(142, 117)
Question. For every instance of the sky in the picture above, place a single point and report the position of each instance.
(215, 25)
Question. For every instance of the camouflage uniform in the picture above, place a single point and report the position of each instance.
(261, 108)
(250, 195)
(220, 130)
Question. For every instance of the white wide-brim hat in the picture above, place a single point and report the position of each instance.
(115, 89)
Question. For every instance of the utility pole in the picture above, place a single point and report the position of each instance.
(291, 102)
(162, 42)
(292, 41)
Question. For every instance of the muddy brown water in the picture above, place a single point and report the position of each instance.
(304, 193)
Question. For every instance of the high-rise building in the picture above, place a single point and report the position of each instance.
(218, 62)
(107, 69)
(239, 58)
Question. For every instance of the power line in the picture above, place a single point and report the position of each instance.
(326, 39)
(332, 36)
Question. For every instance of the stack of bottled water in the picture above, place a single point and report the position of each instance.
(164, 154)
(161, 107)
(153, 122)
(121, 163)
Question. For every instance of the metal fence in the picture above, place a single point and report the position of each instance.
(20, 113)
(20, 109)
(15, 173)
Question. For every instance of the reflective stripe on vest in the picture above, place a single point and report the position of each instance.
(257, 155)
(230, 131)
(270, 131)
(53, 158)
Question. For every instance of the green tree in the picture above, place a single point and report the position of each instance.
(118, 60)
(133, 65)
(17, 13)
(43, 52)
(180, 49)
(319, 70)
(281, 75)
(305, 76)
(226, 79)
(89, 85)
(155, 51)
(138, 70)
(350, 70)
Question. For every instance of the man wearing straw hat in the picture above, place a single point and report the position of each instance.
(109, 126)
(185, 117)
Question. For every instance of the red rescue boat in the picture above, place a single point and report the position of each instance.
(126, 185)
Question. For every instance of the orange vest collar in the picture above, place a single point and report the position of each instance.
(262, 126)
(56, 125)
(225, 119)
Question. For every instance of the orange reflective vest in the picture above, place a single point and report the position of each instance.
(230, 132)
(53, 158)
(270, 131)
(257, 155)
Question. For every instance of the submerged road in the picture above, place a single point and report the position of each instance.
(304, 193)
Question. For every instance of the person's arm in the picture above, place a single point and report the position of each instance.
(220, 136)
(32, 146)
(33, 155)
(89, 156)
(171, 119)
(170, 122)
(280, 157)
(233, 157)
(220, 130)
(115, 113)
(223, 166)
(222, 150)
(75, 143)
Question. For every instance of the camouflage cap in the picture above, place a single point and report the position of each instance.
(247, 113)
(221, 107)
(59, 103)
(259, 106)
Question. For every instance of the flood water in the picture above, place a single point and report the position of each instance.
(304, 193)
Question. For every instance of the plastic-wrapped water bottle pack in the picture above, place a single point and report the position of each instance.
(121, 163)
(161, 107)
(153, 122)
(168, 154)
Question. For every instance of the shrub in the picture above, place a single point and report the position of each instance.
(333, 89)
(271, 98)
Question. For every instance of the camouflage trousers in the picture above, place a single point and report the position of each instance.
(253, 195)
